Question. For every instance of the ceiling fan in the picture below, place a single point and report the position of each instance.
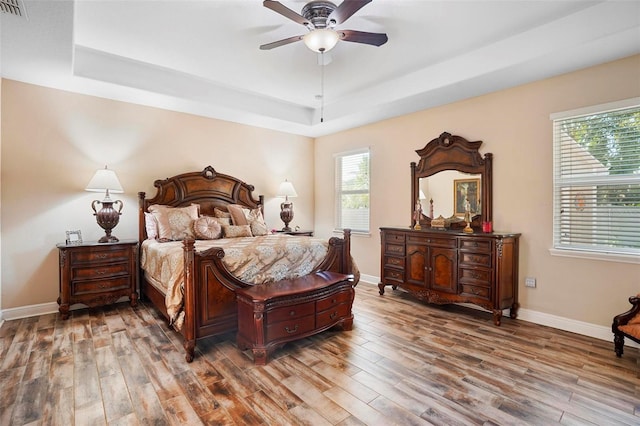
(320, 18)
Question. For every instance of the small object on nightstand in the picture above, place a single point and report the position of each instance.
(97, 274)
(301, 232)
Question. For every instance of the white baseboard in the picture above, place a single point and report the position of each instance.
(561, 323)
(549, 320)
(29, 311)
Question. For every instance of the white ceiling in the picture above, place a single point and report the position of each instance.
(202, 57)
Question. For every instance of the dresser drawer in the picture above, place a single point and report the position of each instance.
(477, 291)
(393, 274)
(333, 300)
(432, 241)
(475, 276)
(290, 328)
(289, 312)
(394, 249)
(332, 315)
(475, 244)
(394, 262)
(394, 237)
(79, 288)
(100, 271)
(474, 259)
(120, 254)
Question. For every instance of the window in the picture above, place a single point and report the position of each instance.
(352, 191)
(597, 181)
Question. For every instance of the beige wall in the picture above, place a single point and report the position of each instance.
(53, 141)
(514, 125)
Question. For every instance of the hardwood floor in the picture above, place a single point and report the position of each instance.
(403, 363)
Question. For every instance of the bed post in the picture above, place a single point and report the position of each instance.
(189, 326)
(141, 222)
(346, 251)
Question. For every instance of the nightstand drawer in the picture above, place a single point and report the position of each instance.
(291, 328)
(100, 271)
(97, 256)
(100, 286)
(289, 312)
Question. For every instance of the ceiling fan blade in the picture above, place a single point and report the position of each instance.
(283, 10)
(279, 43)
(375, 39)
(345, 10)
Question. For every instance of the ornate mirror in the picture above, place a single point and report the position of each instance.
(452, 178)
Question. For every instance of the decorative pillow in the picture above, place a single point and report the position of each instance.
(235, 231)
(151, 226)
(238, 216)
(257, 223)
(207, 228)
(175, 223)
(222, 220)
(221, 213)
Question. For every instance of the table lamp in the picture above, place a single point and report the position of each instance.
(107, 217)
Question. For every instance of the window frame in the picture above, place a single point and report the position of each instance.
(338, 190)
(625, 255)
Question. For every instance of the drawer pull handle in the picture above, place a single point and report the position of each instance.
(291, 331)
(101, 255)
(101, 271)
(292, 313)
(333, 315)
(333, 300)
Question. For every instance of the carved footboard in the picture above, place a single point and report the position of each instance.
(209, 289)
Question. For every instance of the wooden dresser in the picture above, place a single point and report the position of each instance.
(453, 267)
(97, 274)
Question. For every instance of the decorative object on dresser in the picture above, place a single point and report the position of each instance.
(461, 264)
(286, 190)
(97, 274)
(271, 315)
(108, 217)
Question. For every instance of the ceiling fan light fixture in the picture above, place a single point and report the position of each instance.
(321, 40)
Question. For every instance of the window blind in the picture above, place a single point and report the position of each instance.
(597, 181)
(352, 191)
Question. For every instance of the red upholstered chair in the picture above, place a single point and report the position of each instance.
(627, 325)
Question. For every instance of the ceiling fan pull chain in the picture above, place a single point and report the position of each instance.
(322, 88)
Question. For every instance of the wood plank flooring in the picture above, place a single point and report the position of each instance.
(404, 363)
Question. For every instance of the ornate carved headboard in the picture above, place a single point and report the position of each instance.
(207, 188)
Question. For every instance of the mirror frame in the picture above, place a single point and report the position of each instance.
(451, 152)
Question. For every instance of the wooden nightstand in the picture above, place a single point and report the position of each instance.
(97, 274)
(300, 232)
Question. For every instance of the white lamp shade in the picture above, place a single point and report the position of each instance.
(286, 189)
(321, 40)
(421, 195)
(103, 180)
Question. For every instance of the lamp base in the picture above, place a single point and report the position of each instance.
(286, 214)
(108, 239)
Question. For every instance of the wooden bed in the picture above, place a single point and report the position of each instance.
(209, 288)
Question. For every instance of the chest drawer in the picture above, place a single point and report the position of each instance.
(333, 300)
(393, 274)
(97, 256)
(100, 271)
(332, 315)
(477, 291)
(290, 328)
(289, 312)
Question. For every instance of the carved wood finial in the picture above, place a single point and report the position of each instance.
(209, 172)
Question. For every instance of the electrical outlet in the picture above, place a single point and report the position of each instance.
(530, 282)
